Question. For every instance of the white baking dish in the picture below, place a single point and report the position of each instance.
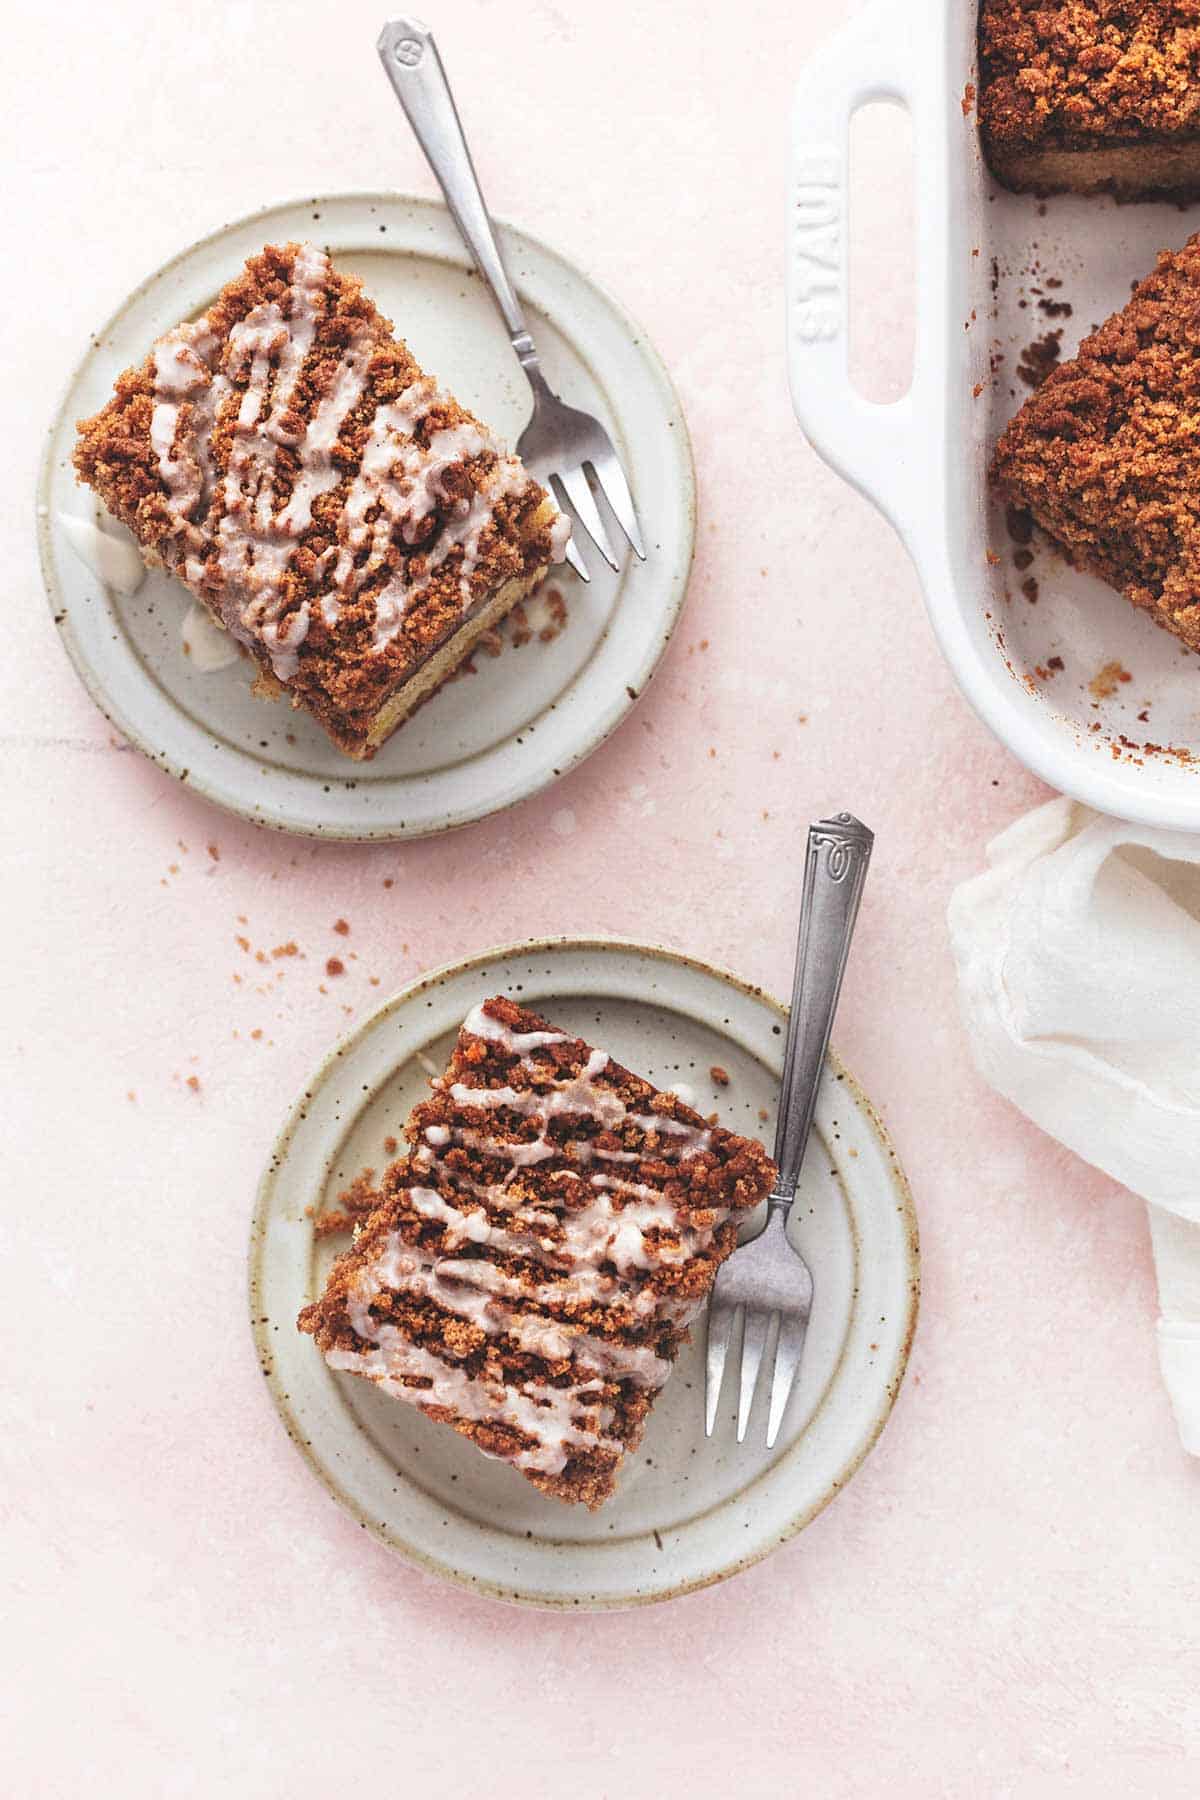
(923, 460)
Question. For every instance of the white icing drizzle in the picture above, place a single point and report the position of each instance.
(254, 545)
(518, 1156)
(591, 1235)
(694, 1138)
(581, 1239)
(578, 1095)
(579, 1287)
(560, 537)
(395, 490)
(183, 375)
(559, 1420)
(453, 1285)
(480, 1023)
(206, 645)
(471, 521)
(113, 560)
(581, 1094)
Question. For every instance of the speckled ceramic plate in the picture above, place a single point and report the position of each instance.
(689, 1510)
(488, 739)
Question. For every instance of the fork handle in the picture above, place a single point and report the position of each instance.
(413, 66)
(835, 869)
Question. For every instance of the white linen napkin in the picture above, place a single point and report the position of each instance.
(1078, 953)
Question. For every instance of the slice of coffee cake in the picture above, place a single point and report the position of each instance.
(339, 513)
(1106, 455)
(531, 1266)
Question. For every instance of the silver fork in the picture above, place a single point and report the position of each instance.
(560, 444)
(768, 1279)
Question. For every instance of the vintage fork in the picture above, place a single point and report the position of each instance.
(560, 443)
(768, 1279)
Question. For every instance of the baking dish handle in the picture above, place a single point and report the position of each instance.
(870, 444)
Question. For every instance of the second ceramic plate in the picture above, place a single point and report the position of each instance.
(689, 1510)
(488, 739)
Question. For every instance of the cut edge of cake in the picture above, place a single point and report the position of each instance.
(1128, 172)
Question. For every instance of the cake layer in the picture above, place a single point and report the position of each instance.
(529, 1269)
(340, 514)
(1069, 92)
(1106, 453)
(429, 676)
(1126, 171)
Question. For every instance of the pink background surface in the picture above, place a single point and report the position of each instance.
(1004, 1602)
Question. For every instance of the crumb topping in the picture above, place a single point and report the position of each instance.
(530, 1267)
(1076, 73)
(1106, 454)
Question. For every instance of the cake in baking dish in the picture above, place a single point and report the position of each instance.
(1106, 453)
(1092, 96)
(350, 524)
(529, 1268)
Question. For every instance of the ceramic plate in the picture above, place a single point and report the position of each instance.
(689, 1510)
(488, 739)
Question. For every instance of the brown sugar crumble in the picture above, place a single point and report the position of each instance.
(335, 966)
(341, 927)
(527, 1271)
(1106, 456)
(1094, 97)
(343, 517)
(719, 1075)
(354, 1204)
